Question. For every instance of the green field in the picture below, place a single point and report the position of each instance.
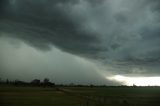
(79, 96)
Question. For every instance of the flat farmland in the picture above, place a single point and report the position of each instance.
(79, 96)
(33, 96)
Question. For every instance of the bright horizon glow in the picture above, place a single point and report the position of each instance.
(138, 81)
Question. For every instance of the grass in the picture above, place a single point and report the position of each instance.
(79, 96)
(26, 96)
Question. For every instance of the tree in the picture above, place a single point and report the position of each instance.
(7, 81)
(47, 83)
(35, 82)
(46, 80)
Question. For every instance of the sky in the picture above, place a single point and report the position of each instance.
(79, 41)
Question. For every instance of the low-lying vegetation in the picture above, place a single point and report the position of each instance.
(11, 95)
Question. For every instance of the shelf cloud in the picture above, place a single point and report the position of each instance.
(122, 34)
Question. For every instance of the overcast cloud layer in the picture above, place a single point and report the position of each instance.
(121, 34)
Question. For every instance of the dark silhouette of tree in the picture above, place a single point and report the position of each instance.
(46, 80)
(0, 81)
(134, 86)
(36, 82)
(20, 83)
(7, 81)
(47, 83)
(91, 85)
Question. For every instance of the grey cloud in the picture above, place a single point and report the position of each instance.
(46, 22)
(123, 32)
(23, 62)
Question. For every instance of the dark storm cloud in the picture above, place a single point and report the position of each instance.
(124, 33)
(46, 22)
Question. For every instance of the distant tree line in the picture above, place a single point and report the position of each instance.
(36, 82)
(47, 83)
